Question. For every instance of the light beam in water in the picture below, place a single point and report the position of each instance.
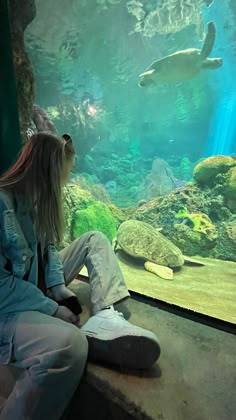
(222, 130)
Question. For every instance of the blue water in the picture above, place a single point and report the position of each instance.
(222, 128)
(96, 58)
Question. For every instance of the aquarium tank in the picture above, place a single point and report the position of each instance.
(147, 91)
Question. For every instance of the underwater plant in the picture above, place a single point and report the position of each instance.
(97, 216)
(84, 212)
(186, 168)
(200, 222)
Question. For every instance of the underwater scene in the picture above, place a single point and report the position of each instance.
(147, 91)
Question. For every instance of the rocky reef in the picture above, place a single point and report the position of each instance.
(200, 217)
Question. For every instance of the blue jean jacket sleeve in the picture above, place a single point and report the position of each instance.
(17, 295)
(53, 268)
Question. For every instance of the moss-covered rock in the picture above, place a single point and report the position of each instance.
(74, 198)
(83, 213)
(207, 169)
(97, 216)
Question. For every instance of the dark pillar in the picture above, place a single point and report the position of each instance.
(10, 138)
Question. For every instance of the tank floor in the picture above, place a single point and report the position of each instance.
(208, 289)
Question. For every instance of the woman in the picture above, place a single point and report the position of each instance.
(38, 314)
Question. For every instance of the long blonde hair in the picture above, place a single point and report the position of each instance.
(37, 173)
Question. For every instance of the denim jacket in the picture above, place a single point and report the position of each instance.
(19, 260)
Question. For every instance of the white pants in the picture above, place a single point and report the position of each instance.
(53, 353)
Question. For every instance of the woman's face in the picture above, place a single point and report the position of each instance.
(67, 170)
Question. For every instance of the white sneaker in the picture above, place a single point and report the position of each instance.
(114, 340)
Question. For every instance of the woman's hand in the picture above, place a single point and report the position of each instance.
(59, 292)
(66, 315)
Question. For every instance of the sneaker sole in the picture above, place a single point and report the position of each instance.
(132, 352)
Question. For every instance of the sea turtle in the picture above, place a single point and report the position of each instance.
(183, 65)
(141, 240)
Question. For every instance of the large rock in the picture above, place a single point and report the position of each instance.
(207, 169)
(21, 15)
(159, 182)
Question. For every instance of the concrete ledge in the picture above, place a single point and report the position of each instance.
(195, 377)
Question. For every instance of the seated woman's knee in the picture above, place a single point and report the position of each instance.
(74, 344)
(99, 236)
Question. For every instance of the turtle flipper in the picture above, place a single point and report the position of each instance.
(192, 261)
(160, 271)
(147, 73)
(212, 63)
(209, 40)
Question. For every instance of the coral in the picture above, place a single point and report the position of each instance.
(159, 182)
(53, 112)
(167, 17)
(97, 216)
(206, 239)
(206, 171)
(230, 184)
(98, 191)
(142, 203)
(193, 242)
(186, 168)
(225, 248)
(134, 149)
(121, 215)
(135, 8)
(104, 4)
(85, 119)
(121, 175)
(42, 120)
(200, 222)
(231, 230)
